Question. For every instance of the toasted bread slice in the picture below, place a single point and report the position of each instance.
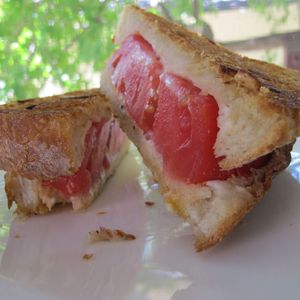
(58, 149)
(258, 102)
(44, 137)
(258, 115)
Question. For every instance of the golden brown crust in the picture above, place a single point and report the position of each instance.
(44, 137)
(283, 85)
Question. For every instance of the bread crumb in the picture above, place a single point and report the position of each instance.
(17, 236)
(101, 212)
(87, 256)
(149, 203)
(106, 234)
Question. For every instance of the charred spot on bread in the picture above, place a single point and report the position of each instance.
(228, 70)
(30, 107)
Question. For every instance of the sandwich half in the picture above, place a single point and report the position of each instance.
(59, 149)
(213, 127)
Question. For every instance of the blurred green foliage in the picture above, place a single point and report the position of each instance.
(42, 39)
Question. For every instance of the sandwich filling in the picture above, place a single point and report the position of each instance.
(177, 116)
(103, 142)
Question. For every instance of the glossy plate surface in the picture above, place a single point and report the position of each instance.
(41, 257)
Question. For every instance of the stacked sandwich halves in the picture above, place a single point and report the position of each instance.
(213, 127)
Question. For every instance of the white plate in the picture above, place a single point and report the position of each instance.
(42, 256)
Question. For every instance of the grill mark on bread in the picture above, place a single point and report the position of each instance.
(77, 97)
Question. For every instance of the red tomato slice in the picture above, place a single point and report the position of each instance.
(185, 130)
(136, 75)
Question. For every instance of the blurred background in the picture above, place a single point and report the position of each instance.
(50, 46)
